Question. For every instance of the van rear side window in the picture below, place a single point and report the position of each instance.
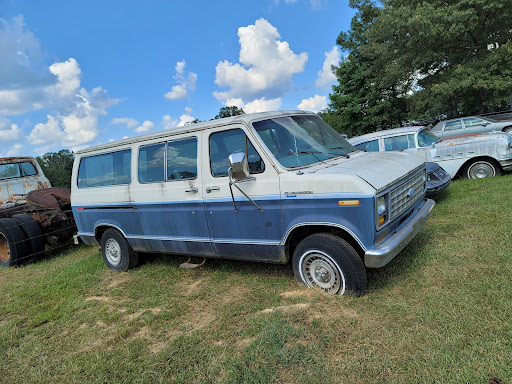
(106, 169)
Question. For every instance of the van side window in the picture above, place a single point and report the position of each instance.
(106, 169)
(223, 144)
(151, 163)
(182, 159)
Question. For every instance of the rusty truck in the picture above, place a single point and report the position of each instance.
(32, 212)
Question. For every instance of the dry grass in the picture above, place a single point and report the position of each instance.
(439, 313)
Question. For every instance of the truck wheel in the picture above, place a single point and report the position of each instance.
(34, 235)
(117, 252)
(327, 261)
(480, 168)
(13, 246)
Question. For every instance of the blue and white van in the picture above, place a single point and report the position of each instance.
(272, 187)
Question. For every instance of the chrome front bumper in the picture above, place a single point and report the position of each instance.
(385, 252)
(506, 164)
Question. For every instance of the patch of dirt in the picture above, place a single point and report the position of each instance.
(285, 308)
(120, 278)
(137, 314)
(101, 324)
(191, 287)
(103, 299)
(306, 292)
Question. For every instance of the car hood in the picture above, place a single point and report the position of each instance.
(379, 169)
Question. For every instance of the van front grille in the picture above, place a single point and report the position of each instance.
(406, 194)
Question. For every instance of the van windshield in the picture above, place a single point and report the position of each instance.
(301, 140)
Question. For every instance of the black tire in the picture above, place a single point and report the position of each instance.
(13, 245)
(35, 238)
(338, 268)
(117, 252)
(481, 168)
(507, 129)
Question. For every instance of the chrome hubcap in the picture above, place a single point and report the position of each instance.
(318, 269)
(113, 252)
(481, 170)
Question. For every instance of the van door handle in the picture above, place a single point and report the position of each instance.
(194, 190)
(209, 189)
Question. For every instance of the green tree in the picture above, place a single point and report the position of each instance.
(229, 111)
(57, 167)
(364, 99)
(455, 56)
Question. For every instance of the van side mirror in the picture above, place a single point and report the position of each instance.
(239, 171)
(239, 166)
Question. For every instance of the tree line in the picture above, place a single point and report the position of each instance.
(416, 59)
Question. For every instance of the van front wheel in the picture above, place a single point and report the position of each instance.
(327, 261)
(117, 253)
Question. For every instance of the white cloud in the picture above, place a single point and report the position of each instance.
(28, 83)
(68, 77)
(145, 127)
(46, 133)
(23, 73)
(326, 76)
(75, 127)
(314, 104)
(9, 132)
(254, 106)
(262, 105)
(186, 83)
(168, 122)
(128, 121)
(16, 150)
(186, 117)
(266, 65)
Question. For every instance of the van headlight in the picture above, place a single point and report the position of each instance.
(381, 210)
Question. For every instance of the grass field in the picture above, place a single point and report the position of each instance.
(441, 312)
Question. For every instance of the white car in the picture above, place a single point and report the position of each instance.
(470, 156)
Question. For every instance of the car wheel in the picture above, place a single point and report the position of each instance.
(478, 169)
(117, 252)
(507, 129)
(13, 247)
(33, 233)
(330, 263)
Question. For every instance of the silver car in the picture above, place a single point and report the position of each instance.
(470, 124)
(472, 157)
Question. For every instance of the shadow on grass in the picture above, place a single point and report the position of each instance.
(224, 265)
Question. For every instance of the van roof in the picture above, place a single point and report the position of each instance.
(247, 119)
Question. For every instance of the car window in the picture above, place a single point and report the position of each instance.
(426, 138)
(9, 171)
(223, 144)
(473, 121)
(399, 142)
(105, 169)
(151, 163)
(369, 146)
(453, 125)
(182, 159)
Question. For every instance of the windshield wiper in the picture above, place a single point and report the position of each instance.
(340, 154)
(306, 152)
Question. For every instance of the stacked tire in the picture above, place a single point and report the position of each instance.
(21, 239)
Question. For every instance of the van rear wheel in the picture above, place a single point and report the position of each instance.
(330, 263)
(117, 252)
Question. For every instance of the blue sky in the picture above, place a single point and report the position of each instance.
(75, 74)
